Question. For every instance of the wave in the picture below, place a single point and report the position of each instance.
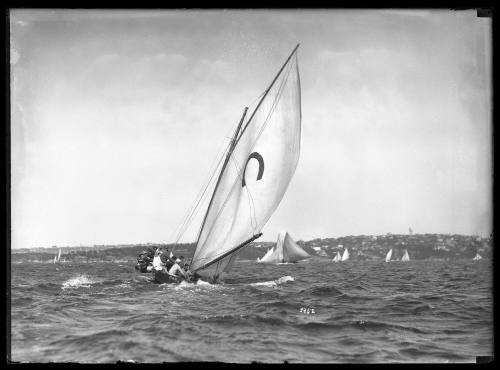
(324, 291)
(80, 281)
(185, 285)
(274, 283)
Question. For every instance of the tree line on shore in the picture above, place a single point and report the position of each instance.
(361, 247)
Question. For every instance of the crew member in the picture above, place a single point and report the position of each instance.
(177, 269)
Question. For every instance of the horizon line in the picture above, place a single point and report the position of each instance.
(255, 242)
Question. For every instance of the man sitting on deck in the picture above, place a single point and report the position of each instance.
(177, 269)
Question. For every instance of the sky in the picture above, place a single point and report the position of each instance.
(117, 117)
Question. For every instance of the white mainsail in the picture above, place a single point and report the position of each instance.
(59, 255)
(477, 257)
(388, 256)
(406, 257)
(259, 165)
(55, 259)
(286, 250)
(345, 256)
(266, 256)
(337, 257)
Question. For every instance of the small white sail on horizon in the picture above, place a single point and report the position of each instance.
(345, 256)
(406, 257)
(58, 257)
(388, 256)
(285, 250)
(477, 257)
(337, 257)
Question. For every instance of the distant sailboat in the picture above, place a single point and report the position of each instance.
(58, 257)
(406, 257)
(285, 251)
(388, 256)
(477, 257)
(337, 257)
(260, 161)
(266, 256)
(345, 256)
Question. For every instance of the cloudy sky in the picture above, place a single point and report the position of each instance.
(118, 116)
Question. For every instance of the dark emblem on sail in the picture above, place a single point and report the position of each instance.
(259, 158)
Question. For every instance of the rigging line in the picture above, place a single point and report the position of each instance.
(273, 107)
(180, 231)
(196, 203)
(195, 207)
(191, 211)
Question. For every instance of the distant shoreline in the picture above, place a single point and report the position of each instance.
(361, 247)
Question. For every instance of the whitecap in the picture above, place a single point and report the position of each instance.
(274, 283)
(77, 282)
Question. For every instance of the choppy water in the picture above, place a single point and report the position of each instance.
(313, 311)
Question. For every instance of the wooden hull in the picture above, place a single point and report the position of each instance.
(162, 277)
(141, 268)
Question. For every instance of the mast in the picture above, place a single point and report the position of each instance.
(267, 91)
(228, 155)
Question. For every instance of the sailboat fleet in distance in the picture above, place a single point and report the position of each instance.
(344, 257)
(285, 251)
(405, 258)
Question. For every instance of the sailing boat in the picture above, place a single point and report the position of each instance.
(337, 257)
(285, 251)
(477, 257)
(266, 256)
(345, 256)
(388, 256)
(260, 162)
(58, 257)
(405, 257)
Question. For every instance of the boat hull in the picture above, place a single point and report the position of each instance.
(163, 277)
(143, 268)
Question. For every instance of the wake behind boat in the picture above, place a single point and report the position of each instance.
(263, 155)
